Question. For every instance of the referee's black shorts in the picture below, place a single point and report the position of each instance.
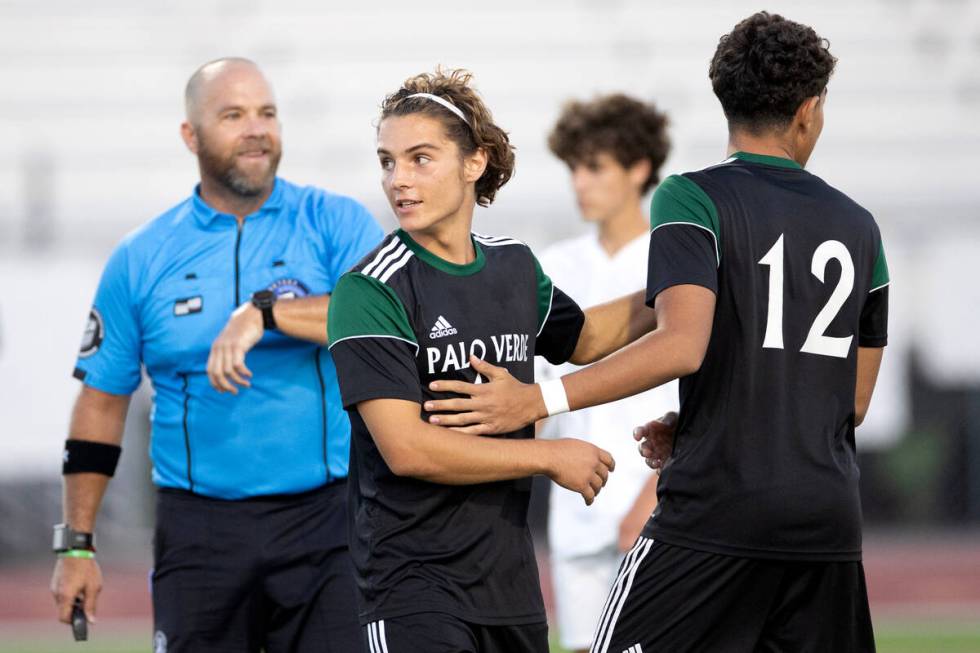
(669, 598)
(266, 574)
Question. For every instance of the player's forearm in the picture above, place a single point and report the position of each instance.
(613, 325)
(439, 455)
(653, 360)
(97, 417)
(412, 447)
(304, 318)
(868, 364)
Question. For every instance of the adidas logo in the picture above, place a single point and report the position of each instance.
(441, 329)
(636, 648)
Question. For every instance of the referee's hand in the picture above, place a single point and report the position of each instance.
(226, 363)
(656, 440)
(76, 577)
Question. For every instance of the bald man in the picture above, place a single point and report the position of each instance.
(223, 301)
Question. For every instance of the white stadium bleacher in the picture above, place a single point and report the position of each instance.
(93, 98)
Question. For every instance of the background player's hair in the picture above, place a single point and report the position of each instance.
(478, 132)
(624, 127)
(765, 68)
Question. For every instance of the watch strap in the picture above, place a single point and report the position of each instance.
(67, 539)
(264, 300)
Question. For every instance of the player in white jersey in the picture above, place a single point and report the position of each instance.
(614, 146)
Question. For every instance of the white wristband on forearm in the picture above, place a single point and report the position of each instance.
(555, 399)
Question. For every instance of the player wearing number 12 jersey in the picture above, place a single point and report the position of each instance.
(771, 291)
(759, 523)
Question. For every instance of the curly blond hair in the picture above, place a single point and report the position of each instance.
(478, 131)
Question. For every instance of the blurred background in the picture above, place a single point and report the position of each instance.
(89, 149)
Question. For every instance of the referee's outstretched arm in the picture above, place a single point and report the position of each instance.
(97, 422)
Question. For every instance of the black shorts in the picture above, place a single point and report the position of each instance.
(438, 632)
(669, 598)
(270, 573)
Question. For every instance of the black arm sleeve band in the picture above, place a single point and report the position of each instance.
(560, 333)
(95, 457)
(873, 328)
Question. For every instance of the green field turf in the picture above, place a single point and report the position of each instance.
(913, 638)
(892, 638)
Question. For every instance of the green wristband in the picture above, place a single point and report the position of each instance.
(77, 553)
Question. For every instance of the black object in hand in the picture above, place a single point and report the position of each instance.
(79, 624)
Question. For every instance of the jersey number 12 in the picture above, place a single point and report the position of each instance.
(816, 342)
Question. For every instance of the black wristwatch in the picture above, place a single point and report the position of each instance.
(264, 300)
(66, 539)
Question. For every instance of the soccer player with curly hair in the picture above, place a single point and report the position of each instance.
(771, 293)
(440, 542)
(614, 146)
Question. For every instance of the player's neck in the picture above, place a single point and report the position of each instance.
(768, 145)
(223, 200)
(449, 239)
(618, 231)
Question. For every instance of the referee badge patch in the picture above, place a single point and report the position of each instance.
(189, 305)
(93, 335)
(289, 288)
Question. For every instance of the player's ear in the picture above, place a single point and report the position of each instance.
(189, 134)
(474, 165)
(806, 115)
(639, 172)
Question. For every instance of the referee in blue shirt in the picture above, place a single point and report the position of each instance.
(223, 300)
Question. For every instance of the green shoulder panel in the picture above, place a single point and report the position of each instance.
(678, 200)
(362, 306)
(545, 288)
(879, 277)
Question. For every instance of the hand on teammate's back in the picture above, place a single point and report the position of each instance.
(226, 363)
(656, 440)
(501, 405)
(579, 466)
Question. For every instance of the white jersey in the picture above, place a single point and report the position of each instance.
(581, 268)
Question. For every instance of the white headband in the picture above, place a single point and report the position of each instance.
(449, 105)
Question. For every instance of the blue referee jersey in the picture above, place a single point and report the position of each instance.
(168, 290)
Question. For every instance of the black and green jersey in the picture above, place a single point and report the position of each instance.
(764, 461)
(399, 320)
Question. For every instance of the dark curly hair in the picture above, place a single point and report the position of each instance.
(626, 128)
(766, 68)
(478, 132)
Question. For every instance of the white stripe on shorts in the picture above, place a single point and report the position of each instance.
(620, 590)
(382, 637)
(614, 591)
(377, 640)
(370, 637)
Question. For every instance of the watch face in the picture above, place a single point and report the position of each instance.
(80, 540)
(264, 298)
